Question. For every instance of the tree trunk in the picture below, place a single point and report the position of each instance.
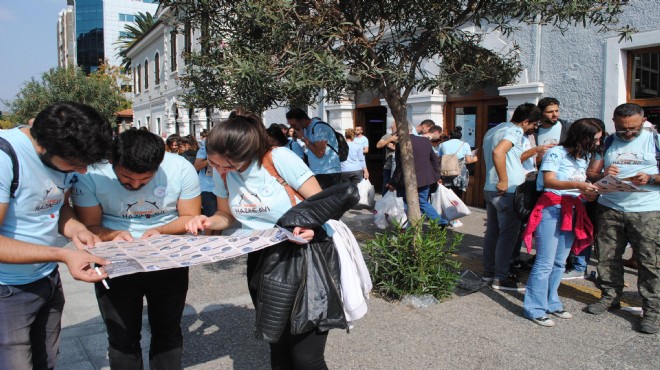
(399, 111)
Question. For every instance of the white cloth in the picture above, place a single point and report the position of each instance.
(355, 279)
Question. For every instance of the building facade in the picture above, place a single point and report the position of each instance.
(66, 43)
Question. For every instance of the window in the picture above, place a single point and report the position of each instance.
(156, 69)
(187, 40)
(173, 66)
(146, 74)
(644, 76)
(135, 79)
(139, 78)
(126, 17)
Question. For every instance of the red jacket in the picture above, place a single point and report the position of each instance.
(584, 229)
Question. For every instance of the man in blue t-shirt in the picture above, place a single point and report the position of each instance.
(64, 138)
(142, 193)
(629, 217)
(360, 139)
(209, 200)
(322, 146)
(503, 148)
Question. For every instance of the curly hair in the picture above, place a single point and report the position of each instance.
(75, 132)
(138, 151)
(242, 138)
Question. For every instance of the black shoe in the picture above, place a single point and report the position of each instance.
(508, 284)
(603, 305)
(648, 326)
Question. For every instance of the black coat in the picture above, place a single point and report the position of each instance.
(300, 284)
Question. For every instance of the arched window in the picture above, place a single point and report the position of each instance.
(146, 74)
(156, 70)
(139, 78)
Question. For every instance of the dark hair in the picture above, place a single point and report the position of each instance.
(527, 111)
(277, 136)
(437, 129)
(138, 151)
(628, 110)
(174, 138)
(456, 133)
(427, 122)
(579, 140)
(74, 132)
(283, 126)
(190, 141)
(242, 138)
(296, 113)
(545, 102)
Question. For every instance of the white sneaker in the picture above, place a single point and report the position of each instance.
(455, 223)
(562, 314)
(544, 321)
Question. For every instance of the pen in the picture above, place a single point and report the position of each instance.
(105, 283)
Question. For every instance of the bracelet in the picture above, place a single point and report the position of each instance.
(651, 180)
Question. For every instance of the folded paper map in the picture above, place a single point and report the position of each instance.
(611, 184)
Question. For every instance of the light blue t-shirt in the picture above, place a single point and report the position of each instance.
(205, 174)
(632, 157)
(565, 167)
(455, 146)
(138, 210)
(530, 163)
(514, 169)
(255, 197)
(550, 135)
(362, 141)
(295, 147)
(34, 214)
(355, 160)
(329, 163)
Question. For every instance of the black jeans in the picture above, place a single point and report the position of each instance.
(121, 309)
(326, 180)
(303, 351)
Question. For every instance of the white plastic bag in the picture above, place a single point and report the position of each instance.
(448, 204)
(367, 193)
(390, 209)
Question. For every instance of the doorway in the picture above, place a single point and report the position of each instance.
(475, 116)
(374, 122)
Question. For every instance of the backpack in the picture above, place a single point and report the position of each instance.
(341, 141)
(6, 147)
(449, 165)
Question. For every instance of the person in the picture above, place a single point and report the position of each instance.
(205, 171)
(360, 139)
(503, 147)
(64, 138)
(143, 192)
(435, 135)
(424, 127)
(553, 129)
(388, 141)
(354, 168)
(322, 146)
(563, 180)
(172, 143)
(188, 148)
(249, 193)
(427, 172)
(627, 217)
(276, 136)
(458, 184)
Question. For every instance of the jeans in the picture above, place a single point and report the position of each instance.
(581, 261)
(353, 177)
(30, 323)
(552, 248)
(425, 207)
(502, 227)
(209, 203)
(121, 309)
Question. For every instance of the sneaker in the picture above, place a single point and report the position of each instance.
(562, 314)
(648, 326)
(603, 305)
(455, 223)
(544, 321)
(572, 275)
(508, 284)
(487, 279)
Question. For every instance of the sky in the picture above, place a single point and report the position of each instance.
(28, 42)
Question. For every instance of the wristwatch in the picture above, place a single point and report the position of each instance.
(651, 180)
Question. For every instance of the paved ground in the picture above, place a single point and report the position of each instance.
(484, 330)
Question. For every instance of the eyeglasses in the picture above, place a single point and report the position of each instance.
(537, 124)
(629, 130)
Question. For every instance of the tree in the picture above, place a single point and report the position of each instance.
(132, 33)
(261, 53)
(99, 89)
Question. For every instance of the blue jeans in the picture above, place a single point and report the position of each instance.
(552, 248)
(30, 323)
(502, 228)
(425, 207)
(581, 261)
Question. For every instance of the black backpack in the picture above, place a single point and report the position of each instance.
(6, 147)
(343, 145)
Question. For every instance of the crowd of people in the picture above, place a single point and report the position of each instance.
(91, 186)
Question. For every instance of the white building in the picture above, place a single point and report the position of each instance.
(589, 72)
(66, 43)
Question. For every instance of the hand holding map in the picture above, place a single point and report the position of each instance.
(611, 184)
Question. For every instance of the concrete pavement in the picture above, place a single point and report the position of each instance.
(484, 330)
